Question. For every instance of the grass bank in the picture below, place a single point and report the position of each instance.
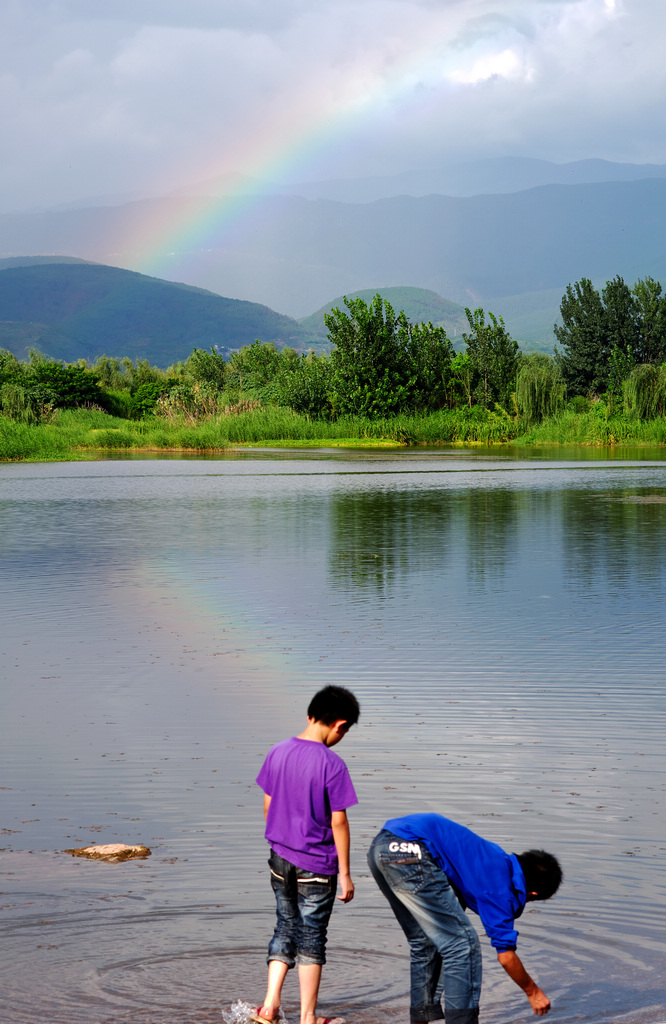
(84, 434)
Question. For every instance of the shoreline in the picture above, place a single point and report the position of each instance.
(102, 453)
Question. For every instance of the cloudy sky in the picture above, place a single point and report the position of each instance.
(125, 96)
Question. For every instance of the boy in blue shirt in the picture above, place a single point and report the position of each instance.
(431, 869)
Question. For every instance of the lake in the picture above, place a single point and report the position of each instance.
(500, 618)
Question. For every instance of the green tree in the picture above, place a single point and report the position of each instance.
(253, 367)
(9, 365)
(206, 368)
(146, 396)
(540, 387)
(69, 385)
(605, 335)
(621, 320)
(645, 391)
(620, 365)
(583, 336)
(431, 355)
(25, 402)
(141, 372)
(462, 380)
(494, 356)
(371, 370)
(650, 307)
(37, 358)
(110, 374)
(383, 364)
(304, 385)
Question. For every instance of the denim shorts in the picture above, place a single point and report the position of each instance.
(304, 903)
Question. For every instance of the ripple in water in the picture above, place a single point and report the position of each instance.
(503, 626)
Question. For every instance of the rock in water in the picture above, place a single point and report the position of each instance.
(111, 852)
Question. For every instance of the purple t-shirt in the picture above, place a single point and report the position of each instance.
(306, 782)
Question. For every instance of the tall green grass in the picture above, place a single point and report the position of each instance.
(23, 441)
(86, 433)
(277, 424)
(592, 428)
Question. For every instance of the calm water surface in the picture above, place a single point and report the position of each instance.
(165, 621)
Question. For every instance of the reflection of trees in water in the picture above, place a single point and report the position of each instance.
(381, 537)
(471, 538)
(491, 534)
(613, 540)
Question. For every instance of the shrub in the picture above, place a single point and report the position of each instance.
(69, 385)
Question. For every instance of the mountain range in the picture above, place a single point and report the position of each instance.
(469, 178)
(509, 248)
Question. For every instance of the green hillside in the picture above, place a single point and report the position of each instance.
(71, 309)
(420, 305)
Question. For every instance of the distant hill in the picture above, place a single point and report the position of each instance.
(293, 254)
(420, 305)
(71, 309)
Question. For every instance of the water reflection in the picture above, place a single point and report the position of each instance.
(165, 622)
(613, 539)
(490, 521)
(380, 539)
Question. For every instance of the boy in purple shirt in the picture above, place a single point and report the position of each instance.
(307, 790)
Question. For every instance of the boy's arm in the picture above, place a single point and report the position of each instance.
(513, 966)
(340, 826)
(267, 804)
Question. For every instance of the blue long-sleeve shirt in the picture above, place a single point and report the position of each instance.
(490, 881)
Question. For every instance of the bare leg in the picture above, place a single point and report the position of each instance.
(277, 972)
(309, 977)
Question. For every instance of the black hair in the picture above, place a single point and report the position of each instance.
(334, 704)
(543, 873)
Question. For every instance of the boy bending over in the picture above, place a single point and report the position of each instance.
(430, 869)
(307, 789)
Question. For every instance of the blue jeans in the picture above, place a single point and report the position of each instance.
(304, 904)
(445, 955)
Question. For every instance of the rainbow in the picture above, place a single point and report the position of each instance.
(297, 136)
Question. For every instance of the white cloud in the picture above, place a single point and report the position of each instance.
(506, 64)
(138, 95)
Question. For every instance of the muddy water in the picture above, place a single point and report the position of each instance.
(165, 621)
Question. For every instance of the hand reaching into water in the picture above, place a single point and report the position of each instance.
(512, 964)
(539, 1001)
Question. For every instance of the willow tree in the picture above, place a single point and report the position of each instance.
(540, 388)
(645, 391)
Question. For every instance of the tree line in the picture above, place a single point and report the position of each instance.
(613, 348)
